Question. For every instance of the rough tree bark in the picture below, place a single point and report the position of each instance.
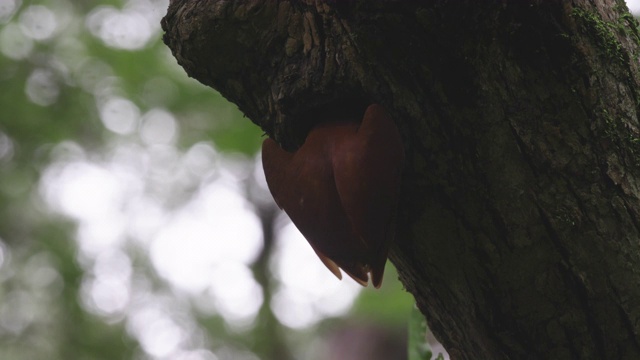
(519, 233)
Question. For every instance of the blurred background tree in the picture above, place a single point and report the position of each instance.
(134, 219)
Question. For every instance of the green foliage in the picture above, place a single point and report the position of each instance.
(390, 304)
(603, 32)
(419, 347)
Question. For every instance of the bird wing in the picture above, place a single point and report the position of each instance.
(302, 185)
(367, 177)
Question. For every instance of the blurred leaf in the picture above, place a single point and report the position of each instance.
(390, 304)
(419, 348)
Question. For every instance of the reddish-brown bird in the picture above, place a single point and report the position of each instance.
(341, 189)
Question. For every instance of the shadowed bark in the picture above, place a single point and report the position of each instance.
(519, 227)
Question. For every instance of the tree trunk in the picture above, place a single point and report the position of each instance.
(519, 218)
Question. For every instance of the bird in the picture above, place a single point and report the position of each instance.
(341, 190)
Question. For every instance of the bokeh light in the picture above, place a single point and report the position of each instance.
(120, 115)
(7, 9)
(38, 22)
(14, 44)
(309, 292)
(128, 28)
(42, 87)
